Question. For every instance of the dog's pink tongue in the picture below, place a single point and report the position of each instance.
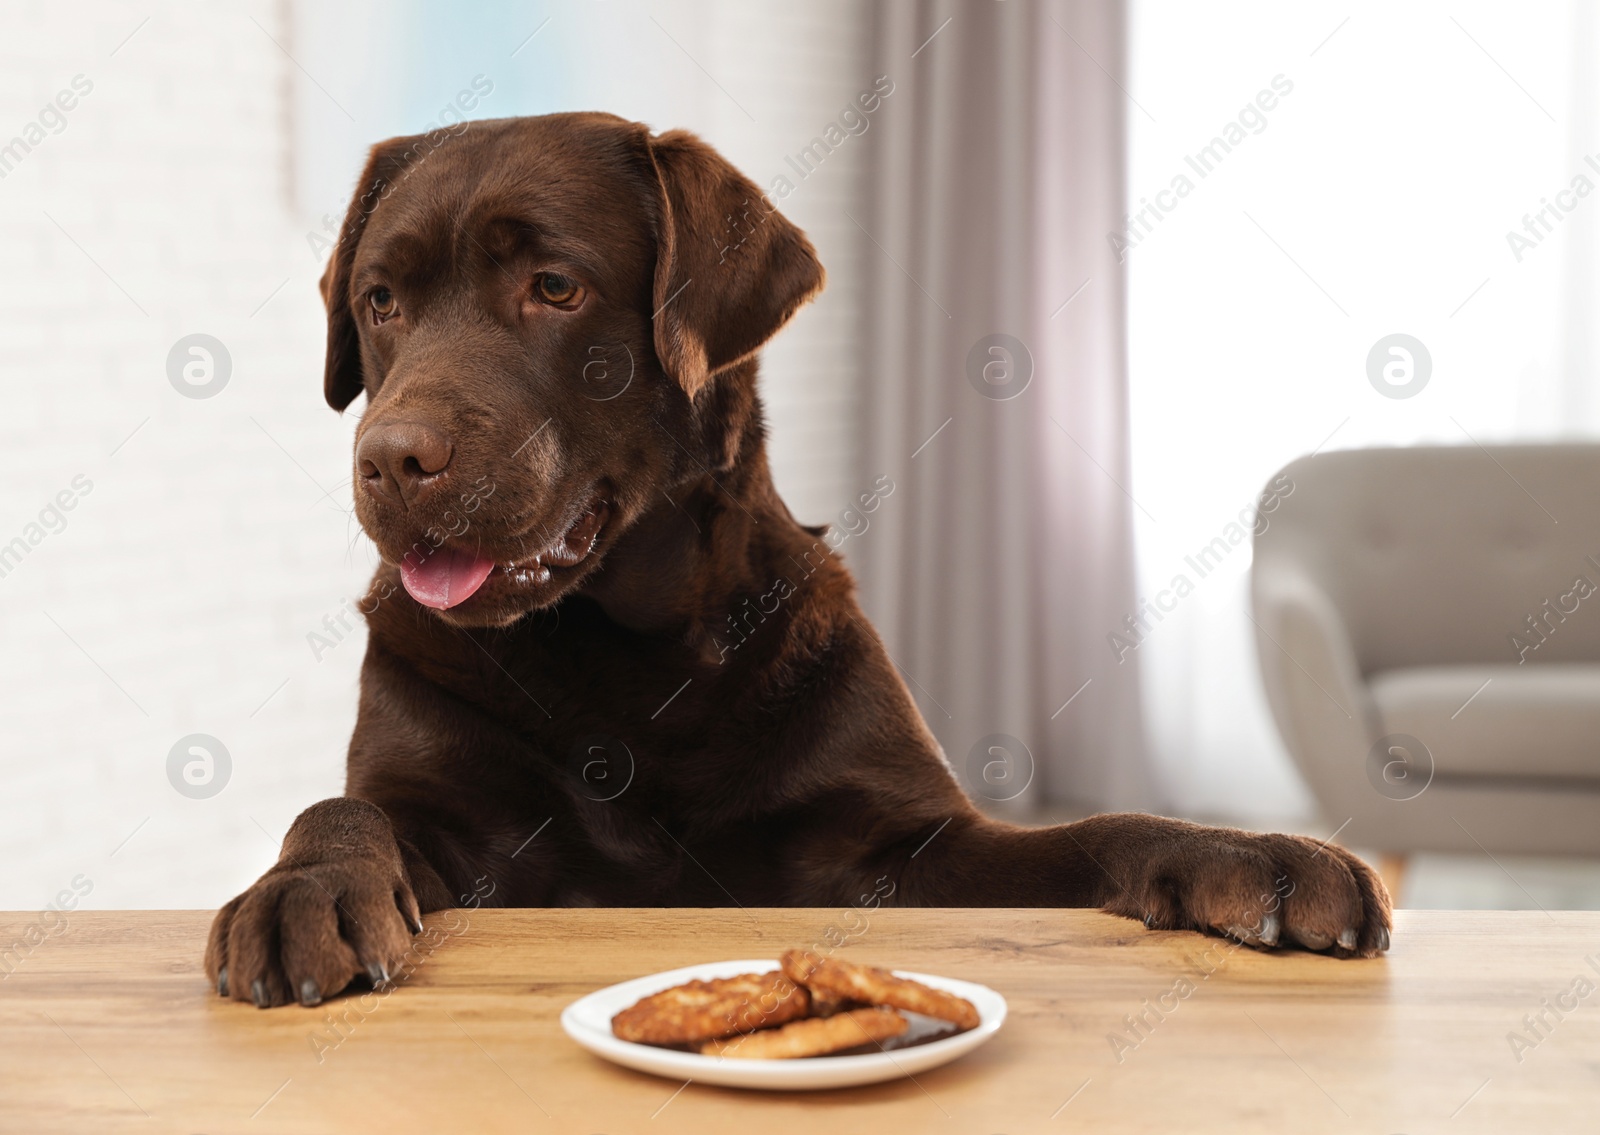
(446, 578)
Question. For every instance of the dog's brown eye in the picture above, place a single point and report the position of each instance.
(554, 288)
(384, 305)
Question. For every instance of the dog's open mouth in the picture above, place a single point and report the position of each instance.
(450, 575)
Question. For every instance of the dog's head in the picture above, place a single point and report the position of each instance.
(547, 316)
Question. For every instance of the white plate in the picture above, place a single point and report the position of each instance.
(588, 1021)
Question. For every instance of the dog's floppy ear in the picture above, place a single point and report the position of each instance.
(730, 269)
(341, 367)
(341, 375)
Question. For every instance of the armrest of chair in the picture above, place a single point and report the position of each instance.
(1324, 709)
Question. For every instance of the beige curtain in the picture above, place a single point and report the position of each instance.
(1003, 560)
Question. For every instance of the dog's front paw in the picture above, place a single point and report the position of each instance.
(304, 933)
(1263, 890)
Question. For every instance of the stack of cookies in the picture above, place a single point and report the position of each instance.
(812, 1006)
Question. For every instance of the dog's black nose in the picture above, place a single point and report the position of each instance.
(402, 461)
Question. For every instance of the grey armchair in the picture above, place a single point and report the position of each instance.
(1428, 627)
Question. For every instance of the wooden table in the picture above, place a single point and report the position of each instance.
(109, 1026)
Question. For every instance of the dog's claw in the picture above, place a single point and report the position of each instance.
(1347, 938)
(1270, 929)
(309, 993)
(258, 992)
(1383, 939)
(1149, 922)
(222, 981)
(379, 973)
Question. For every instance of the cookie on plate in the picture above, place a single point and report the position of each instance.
(703, 1010)
(830, 977)
(814, 1036)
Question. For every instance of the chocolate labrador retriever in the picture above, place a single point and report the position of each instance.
(606, 666)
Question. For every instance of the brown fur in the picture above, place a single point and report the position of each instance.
(661, 756)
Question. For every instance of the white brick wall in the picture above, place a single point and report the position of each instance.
(189, 576)
(191, 572)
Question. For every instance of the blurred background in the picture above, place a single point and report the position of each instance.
(1097, 272)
